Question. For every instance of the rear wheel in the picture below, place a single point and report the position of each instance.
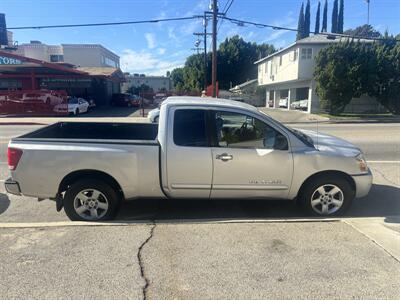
(91, 200)
(327, 196)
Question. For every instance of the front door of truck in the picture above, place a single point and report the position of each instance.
(189, 162)
(251, 159)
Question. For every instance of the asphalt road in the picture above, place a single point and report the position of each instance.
(211, 249)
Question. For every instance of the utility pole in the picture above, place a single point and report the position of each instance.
(204, 35)
(368, 12)
(214, 53)
(205, 52)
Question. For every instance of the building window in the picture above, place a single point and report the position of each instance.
(56, 58)
(280, 60)
(109, 62)
(293, 55)
(306, 53)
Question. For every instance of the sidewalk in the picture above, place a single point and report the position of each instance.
(124, 115)
(292, 116)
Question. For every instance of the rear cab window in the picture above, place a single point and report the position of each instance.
(190, 128)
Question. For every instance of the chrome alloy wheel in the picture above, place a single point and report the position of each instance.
(327, 199)
(91, 204)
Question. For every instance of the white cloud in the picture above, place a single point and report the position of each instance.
(172, 35)
(151, 40)
(161, 51)
(199, 8)
(145, 62)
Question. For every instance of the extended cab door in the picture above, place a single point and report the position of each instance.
(251, 158)
(188, 162)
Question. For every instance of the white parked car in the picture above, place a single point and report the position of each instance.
(75, 106)
(41, 96)
(154, 115)
(300, 104)
(283, 102)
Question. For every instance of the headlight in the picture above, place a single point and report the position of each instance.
(362, 164)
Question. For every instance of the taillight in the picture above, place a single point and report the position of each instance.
(13, 155)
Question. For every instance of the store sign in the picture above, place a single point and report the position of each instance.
(4, 60)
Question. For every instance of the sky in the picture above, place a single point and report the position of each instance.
(155, 48)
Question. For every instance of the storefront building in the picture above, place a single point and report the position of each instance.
(91, 83)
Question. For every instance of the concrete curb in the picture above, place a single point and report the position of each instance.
(22, 123)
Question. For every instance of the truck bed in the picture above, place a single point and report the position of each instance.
(96, 131)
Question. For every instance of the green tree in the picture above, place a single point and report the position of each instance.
(386, 88)
(364, 31)
(307, 20)
(177, 79)
(193, 73)
(325, 18)
(340, 17)
(300, 24)
(140, 90)
(337, 72)
(317, 18)
(236, 59)
(334, 28)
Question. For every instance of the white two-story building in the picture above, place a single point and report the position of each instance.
(287, 76)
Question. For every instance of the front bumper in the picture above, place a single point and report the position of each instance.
(12, 187)
(363, 184)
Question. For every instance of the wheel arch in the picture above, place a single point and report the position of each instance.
(327, 173)
(72, 177)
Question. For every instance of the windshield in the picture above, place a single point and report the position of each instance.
(302, 136)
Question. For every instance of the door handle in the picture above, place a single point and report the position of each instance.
(224, 156)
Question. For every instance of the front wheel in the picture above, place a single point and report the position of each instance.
(91, 200)
(327, 196)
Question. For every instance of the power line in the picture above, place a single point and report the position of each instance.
(104, 24)
(230, 4)
(261, 25)
(224, 11)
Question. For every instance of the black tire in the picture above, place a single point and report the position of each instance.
(309, 193)
(110, 193)
(77, 112)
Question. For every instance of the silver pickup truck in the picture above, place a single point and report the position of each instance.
(202, 148)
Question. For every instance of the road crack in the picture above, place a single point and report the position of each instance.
(141, 264)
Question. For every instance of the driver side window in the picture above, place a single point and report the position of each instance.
(236, 130)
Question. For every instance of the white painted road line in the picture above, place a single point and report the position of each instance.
(383, 161)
